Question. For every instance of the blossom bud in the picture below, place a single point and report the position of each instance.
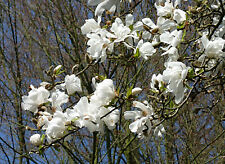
(43, 108)
(155, 30)
(35, 139)
(44, 84)
(68, 123)
(34, 120)
(108, 12)
(57, 69)
(136, 91)
(75, 68)
(108, 23)
(88, 58)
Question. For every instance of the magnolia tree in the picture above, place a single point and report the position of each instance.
(149, 70)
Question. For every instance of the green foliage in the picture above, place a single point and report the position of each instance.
(137, 54)
(42, 138)
(191, 73)
(41, 149)
(129, 91)
(131, 27)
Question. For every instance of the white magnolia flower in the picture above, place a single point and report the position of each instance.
(128, 34)
(58, 98)
(90, 26)
(149, 23)
(99, 44)
(35, 139)
(138, 26)
(161, 26)
(110, 119)
(179, 16)
(143, 121)
(73, 84)
(105, 5)
(172, 52)
(56, 127)
(174, 76)
(168, 9)
(85, 114)
(172, 38)
(151, 28)
(36, 97)
(165, 10)
(157, 81)
(136, 29)
(129, 20)
(43, 120)
(132, 115)
(213, 49)
(159, 130)
(141, 118)
(104, 93)
(145, 49)
(120, 31)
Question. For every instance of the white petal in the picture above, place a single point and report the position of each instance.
(134, 126)
(179, 16)
(149, 23)
(132, 115)
(129, 20)
(73, 84)
(90, 26)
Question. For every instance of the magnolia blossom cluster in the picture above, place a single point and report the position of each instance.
(213, 49)
(141, 36)
(57, 96)
(92, 113)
